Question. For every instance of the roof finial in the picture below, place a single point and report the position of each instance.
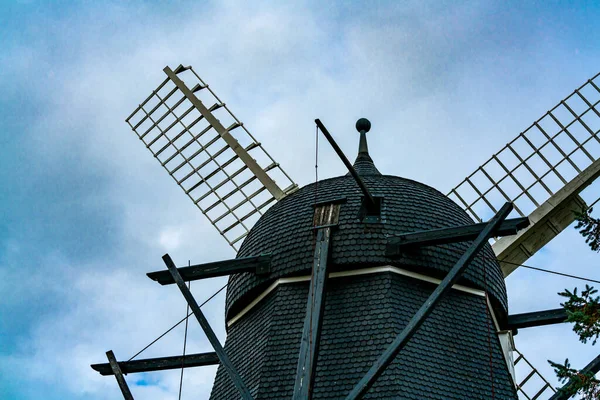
(363, 125)
(364, 164)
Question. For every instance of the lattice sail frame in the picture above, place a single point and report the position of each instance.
(531, 385)
(228, 175)
(539, 161)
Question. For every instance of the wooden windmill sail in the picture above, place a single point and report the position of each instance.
(226, 172)
(211, 155)
(542, 171)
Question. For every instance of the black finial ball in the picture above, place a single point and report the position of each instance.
(363, 124)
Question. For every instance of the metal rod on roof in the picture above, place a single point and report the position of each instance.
(363, 386)
(342, 156)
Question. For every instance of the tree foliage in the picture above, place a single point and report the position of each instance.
(583, 310)
(582, 383)
(589, 227)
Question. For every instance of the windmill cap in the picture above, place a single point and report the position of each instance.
(285, 231)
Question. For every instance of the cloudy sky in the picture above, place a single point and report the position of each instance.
(87, 211)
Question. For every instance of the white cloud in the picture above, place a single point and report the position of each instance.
(437, 88)
(170, 238)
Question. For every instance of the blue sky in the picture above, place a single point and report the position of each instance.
(88, 212)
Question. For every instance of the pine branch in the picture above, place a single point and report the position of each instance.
(584, 312)
(589, 228)
(584, 384)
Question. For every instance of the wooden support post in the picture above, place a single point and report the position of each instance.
(463, 233)
(260, 265)
(116, 370)
(160, 363)
(537, 318)
(311, 333)
(415, 323)
(592, 368)
(210, 334)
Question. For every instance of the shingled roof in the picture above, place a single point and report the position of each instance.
(285, 231)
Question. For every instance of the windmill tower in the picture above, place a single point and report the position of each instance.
(364, 285)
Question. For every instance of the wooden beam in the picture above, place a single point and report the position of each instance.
(537, 318)
(116, 370)
(450, 235)
(547, 221)
(210, 334)
(311, 333)
(260, 265)
(592, 368)
(232, 142)
(363, 386)
(160, 363)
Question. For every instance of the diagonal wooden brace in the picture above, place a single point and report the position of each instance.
(116, 370)
(311, 333)
(210, 334)
(363, 386)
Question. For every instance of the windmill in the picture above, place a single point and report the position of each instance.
(364, 285)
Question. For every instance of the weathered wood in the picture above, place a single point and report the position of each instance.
(260, 265)
(450, 235)
(114, 365)
(593, 367)
(210, 334)
(417, 320)
(326, 215)
(547, 221)
(232, 142)
(311, 333)
(537, 318)
(160, 363)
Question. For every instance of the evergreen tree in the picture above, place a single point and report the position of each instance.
(583, 310)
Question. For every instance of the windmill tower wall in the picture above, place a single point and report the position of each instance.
(456, 354)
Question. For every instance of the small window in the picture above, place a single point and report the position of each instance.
(327, 214)
(371, 215)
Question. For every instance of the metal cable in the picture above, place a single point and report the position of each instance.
(556, 273)
(534, 268)
(187, 311)
(177, 324)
